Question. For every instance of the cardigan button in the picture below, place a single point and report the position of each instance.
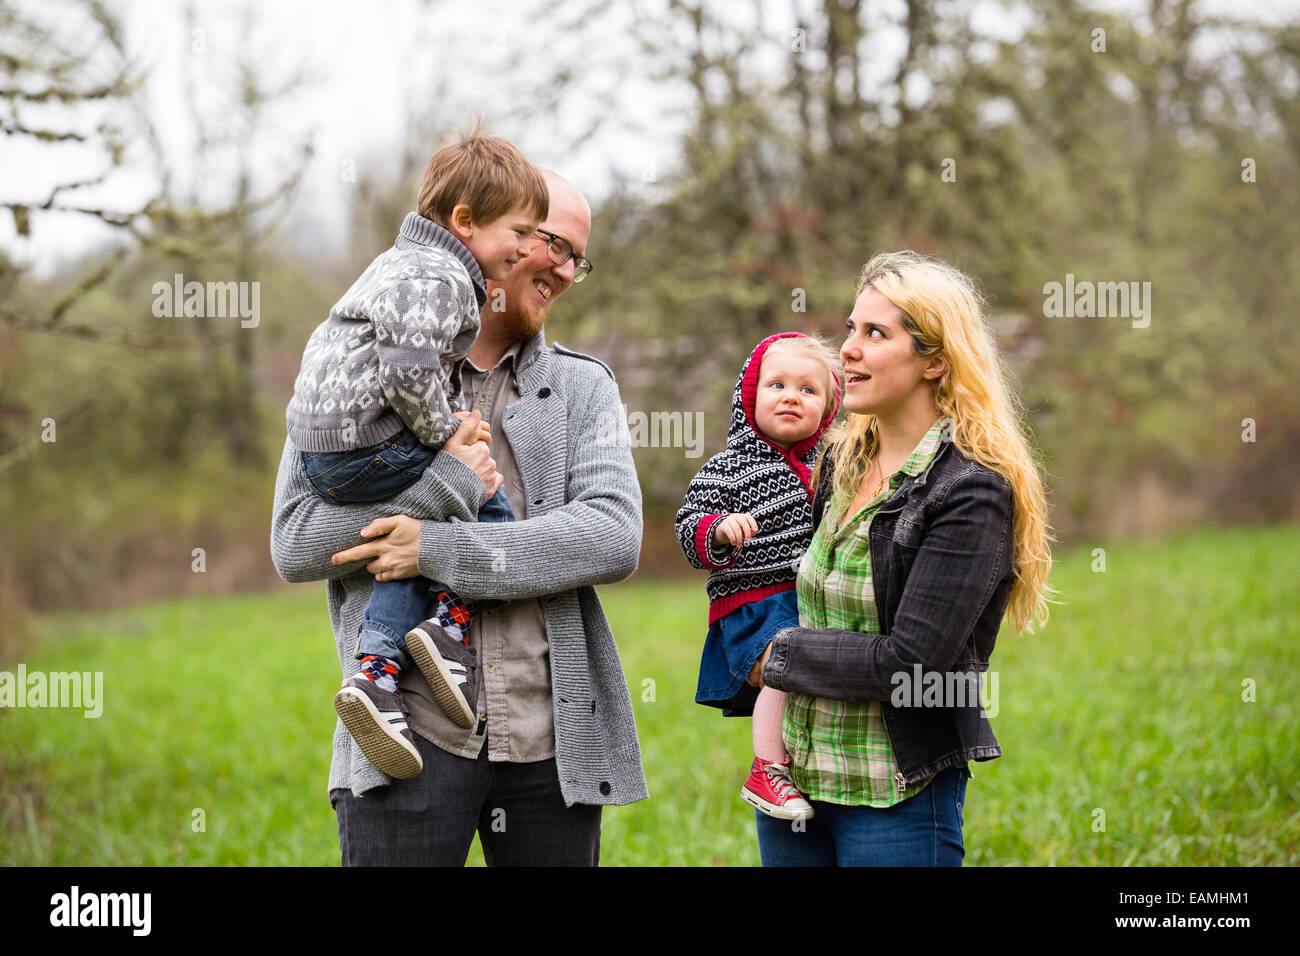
(544, 393)
(604, 788)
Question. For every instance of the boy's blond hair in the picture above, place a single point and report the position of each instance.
(816, 347)
(487, 173)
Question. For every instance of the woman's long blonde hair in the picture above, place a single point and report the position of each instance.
(942, 311)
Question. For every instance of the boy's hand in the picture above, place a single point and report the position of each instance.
(465, 445)
(735, 530)
(484, 433)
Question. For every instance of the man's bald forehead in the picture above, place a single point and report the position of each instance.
(558, 185)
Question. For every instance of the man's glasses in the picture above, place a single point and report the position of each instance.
(561, 252)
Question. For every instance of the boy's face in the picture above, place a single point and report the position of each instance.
(499, 244)
(791, 399)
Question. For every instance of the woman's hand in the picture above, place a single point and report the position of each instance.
(756, 672)
(469, 443)
(395, 550)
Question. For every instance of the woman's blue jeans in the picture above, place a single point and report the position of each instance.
(923, 830)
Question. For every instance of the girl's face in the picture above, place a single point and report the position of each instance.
(791, 399)
(883, 375)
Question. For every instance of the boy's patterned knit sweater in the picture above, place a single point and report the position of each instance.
(754, 476)
(384, 356)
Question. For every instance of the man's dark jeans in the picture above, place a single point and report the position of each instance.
(430, 820)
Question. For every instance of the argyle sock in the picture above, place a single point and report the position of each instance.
(453, 616)
(382, 671)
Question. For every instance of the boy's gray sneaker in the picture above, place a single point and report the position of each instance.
(376, 719)
(449, 666)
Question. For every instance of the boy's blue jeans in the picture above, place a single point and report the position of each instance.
(375, 474)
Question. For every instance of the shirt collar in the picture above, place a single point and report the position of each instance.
(926, 448)
(509, 358)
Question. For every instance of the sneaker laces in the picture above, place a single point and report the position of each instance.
(779, 776)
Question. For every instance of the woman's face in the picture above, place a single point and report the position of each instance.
(883, 375)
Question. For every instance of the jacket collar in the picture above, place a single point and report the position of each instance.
(425, 232)
(533, 367)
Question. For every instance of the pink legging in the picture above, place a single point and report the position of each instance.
(768, 745)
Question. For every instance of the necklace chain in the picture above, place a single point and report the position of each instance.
(881, 484)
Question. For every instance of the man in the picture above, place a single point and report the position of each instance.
(555, 738)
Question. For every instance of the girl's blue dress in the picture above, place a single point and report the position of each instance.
(732, 646)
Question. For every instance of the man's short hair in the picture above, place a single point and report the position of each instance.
(487, 173)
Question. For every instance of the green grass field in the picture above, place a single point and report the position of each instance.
(1128, 710)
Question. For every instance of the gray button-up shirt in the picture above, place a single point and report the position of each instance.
(514, 704)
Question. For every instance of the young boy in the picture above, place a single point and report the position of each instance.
(374, 402)
(747, 518)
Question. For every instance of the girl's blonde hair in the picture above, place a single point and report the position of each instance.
(814, 346)
(942, 311)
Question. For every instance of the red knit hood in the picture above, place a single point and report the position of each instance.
(743, 433)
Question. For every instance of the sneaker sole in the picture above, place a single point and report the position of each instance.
(772, 809)
(434, 668)
(383, 746)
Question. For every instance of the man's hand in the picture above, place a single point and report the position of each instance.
(395, 550)
(467, 445)
(735, 530)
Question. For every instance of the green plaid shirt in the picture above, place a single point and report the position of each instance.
(840, 750)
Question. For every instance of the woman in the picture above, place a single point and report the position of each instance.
(930, 525)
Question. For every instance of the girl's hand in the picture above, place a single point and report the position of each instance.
(395, 550)
(735, 530)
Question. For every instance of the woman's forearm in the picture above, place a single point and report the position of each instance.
(952, 581)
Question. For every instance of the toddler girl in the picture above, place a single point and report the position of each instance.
(747, 518)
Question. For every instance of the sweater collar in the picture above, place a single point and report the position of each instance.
(426, 232)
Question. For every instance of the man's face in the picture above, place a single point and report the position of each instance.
(535, 281)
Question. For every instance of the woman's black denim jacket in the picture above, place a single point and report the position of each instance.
(942, 573)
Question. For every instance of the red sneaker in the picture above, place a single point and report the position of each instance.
(770, 789)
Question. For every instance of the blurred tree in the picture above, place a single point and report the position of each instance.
(1060, 139)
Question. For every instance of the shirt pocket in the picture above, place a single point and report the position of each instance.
(907, 531)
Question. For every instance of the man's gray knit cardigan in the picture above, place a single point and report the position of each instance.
(583, 528)
(384, 356)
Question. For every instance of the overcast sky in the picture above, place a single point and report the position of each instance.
(369, 66)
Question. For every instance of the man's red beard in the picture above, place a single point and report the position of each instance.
(520, 324)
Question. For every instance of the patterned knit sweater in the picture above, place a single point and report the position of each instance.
(384, 357)
(754, 476)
